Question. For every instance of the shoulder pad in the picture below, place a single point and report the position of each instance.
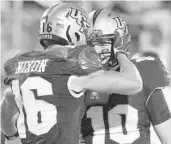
(59, 51)
(153, 72)
(70, 55)
(19, 54)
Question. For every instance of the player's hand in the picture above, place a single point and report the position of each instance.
(122, 44)
(8, 113)
(89, 60)
(8, 120)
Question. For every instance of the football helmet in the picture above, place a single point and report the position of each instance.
(64, 24)
(106, 28)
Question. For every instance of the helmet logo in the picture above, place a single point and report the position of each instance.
(80, 19)
(121, 24)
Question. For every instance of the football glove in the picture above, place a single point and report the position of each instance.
(119, 45)
(89, 60)
(122, 44)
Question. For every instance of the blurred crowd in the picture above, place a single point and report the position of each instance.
(149, 24)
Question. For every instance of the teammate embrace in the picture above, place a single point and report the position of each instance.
(49, 91)
(126, 119)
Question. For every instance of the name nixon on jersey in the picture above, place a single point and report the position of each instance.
(31, 66)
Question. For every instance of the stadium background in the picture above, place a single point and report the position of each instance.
(149, 23)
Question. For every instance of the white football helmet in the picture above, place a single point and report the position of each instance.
(104, 25)
(64, 24)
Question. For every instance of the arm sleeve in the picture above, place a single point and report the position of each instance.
(157, 108)
(9, 69)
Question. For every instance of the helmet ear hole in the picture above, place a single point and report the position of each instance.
(77, 36)
(55, 40)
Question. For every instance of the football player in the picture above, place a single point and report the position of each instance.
(42, 86)
(126, 119)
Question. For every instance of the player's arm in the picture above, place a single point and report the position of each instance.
(128, 81)
(160, 116)
(9, 113)
(163, 131)
(155, 79)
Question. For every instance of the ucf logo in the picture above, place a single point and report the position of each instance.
(80, 19)
(94, 95)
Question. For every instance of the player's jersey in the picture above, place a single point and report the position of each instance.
(49, 114)
(121, 119)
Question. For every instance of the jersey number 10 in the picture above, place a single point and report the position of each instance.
(115, 122)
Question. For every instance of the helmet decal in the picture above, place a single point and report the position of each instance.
(96, 15)
(121, 24)
(50, 10)
(80, 18)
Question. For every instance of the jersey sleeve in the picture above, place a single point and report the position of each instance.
(155, 77)
(9, 68)
(153, 73)
(87, 59)
(80, 60)
(157, 108)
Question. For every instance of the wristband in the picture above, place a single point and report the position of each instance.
(12, 137)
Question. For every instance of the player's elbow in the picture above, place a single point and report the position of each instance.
(137, 87)
(134, 86)
(137, 83)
